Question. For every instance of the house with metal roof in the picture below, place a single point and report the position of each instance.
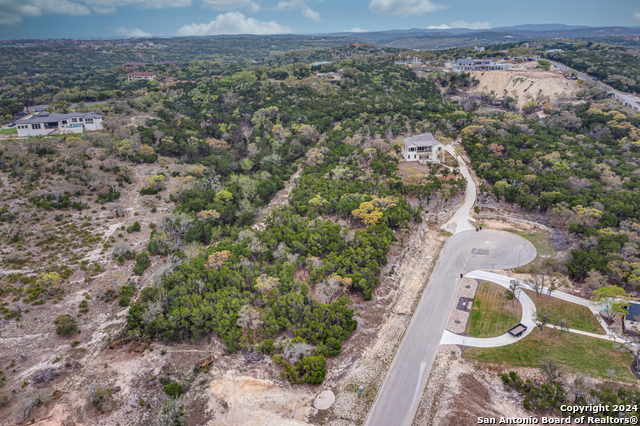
(423, 148)
(49, 123)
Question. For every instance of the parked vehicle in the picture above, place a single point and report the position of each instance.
(595, 78)
(11, 125)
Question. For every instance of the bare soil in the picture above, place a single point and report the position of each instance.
(458, 392)
(525, 84)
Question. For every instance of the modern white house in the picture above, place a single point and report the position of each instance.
(46, 123)
(423, 148)
(138, 76)
(470, 64)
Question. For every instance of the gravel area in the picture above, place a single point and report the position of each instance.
(458, 318)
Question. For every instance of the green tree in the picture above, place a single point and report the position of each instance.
(612, 299)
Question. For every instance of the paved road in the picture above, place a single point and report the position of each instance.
(459, 222)
(528, 308)
(625, 98)
(397, 401)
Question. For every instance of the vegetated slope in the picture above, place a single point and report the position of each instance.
(80, 80)
(74, 59)
(220, 149)
(578, 165)
(615, 65)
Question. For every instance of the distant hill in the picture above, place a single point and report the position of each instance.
(541, 27)
(417, 38)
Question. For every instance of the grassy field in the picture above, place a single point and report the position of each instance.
(492, 315)
(538, 239)
(12, 131)
(575, 352)
(579, 317)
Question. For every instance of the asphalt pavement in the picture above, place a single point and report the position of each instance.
(397, 401)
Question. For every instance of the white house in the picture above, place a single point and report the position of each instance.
(470, 64)
(46, 123)
(423, 148)
(138, 76)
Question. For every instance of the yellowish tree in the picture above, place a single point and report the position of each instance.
(224, 196)
(154, 182)
(146, 150)
(217, 259)
(207, 215)
(265, 283)
(49, 281)
(368, 214)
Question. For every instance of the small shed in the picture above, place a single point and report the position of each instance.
(518, 330)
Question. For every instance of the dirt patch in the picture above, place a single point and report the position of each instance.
(238, 400)
(457, 393)
(525, 84)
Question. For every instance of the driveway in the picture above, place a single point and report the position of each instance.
(528, 309)
(460, 220)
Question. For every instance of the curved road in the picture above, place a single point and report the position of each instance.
(397, 401)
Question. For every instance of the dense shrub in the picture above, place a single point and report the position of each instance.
(65, 325)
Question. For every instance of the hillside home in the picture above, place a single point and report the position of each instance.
(423, 148)
(46, 123)
(469, 64)
(138, 76)
(533, 45)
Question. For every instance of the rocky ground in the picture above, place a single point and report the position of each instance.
(229, 390)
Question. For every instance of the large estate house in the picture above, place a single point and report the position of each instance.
(470, 64)
(422, 148)
(138, 76)
(46, 123)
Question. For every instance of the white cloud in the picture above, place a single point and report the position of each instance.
(404, 7)
(132, 32)
(111, 6)
(461, 24)
(311, 14)
(439, 27)
(233, 23)
(471, 26)
(232, 5)
(289, 5)
(13, 11)
(636, 15)
(356, 30)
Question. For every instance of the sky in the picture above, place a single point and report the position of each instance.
(21, 19)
